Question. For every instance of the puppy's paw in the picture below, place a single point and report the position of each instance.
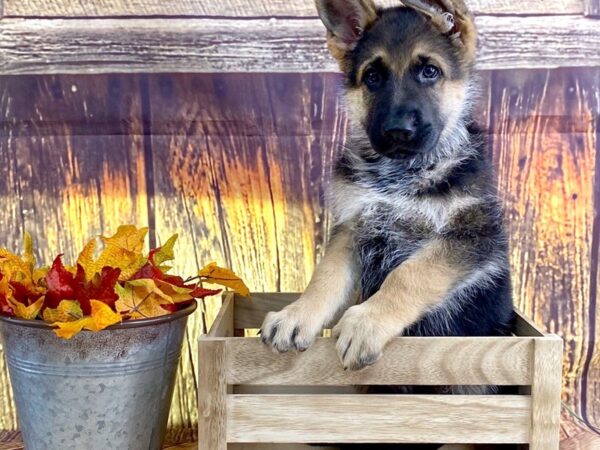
(361, 336)
(293, 328)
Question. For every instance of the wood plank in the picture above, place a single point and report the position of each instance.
(544, 145)
(73, 168)
(223, 324)
(592, 8)
(545, 393)
(408, 361)
(249, 8)
(212, 395)
(382, 418)
(250, 312)
(259, 45)
(525, 326)
(240, 174)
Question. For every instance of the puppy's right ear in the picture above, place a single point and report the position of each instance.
(346, 21)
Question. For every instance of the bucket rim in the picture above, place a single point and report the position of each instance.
(135, 323)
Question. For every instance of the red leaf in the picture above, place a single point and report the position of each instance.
(201, 292)
(63, 285)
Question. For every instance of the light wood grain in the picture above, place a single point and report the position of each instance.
(212, 395)
(545, 394)
(249, 8)
(419, 361)
(250, 313)
(259, 45)
(223, 324)
(383, 418)
(524, 326)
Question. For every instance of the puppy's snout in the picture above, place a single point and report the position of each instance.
(402, 127)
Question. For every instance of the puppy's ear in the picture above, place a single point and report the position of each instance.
(453, 19)
(346, 21)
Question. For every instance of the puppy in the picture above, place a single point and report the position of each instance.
(418, 247)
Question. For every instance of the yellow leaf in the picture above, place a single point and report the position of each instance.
(67, 330)
(122, 250)
(26, 312)
(12, 266)
(102, 316)
(224, 277)
(141, 299)
(176, 294)
(165, 253)
(67, 311)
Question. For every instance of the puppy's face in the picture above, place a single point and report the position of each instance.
(406, 79)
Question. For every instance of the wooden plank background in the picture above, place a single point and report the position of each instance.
(238, 163)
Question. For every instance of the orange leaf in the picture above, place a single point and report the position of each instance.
(26, 312)
(67, 330)
(67, 311)
(102, 316)
(143, 298)
(223, 277)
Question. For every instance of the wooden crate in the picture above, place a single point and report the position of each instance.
(249, 394)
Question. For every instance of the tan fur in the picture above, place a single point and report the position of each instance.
(330, 290)
(408, 292)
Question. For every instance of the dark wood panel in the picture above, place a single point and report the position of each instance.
(249, 8)
(545, 148)
(260, 44)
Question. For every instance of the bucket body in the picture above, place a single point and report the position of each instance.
(97, 391)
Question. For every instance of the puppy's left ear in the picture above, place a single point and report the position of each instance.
(346, 22)
(453, 19)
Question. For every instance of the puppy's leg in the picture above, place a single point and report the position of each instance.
(417, 285)
(329, 291)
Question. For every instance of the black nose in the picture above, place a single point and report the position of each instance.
(401, 127)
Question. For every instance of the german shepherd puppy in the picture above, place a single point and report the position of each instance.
(418, 226)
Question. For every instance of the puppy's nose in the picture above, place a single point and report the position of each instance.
(402, 127)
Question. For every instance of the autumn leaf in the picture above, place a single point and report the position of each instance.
(102, 316)
(67, 330)
(26, 312)
(121, 251)
(67, 311)
(140, 299)
(223, 277)
(164, 253)
(63, 285)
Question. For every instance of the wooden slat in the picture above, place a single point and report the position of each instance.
(250, 312)
(418, 361)
(259, 45)
(545, 393)
(212, 395)
(239, 167)
(544, 146)
(249, 8)
(223, 324)
(381, 418)
(525, 326)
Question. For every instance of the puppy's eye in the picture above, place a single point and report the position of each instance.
(372, 78)
(430, 72)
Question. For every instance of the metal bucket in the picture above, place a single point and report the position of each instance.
(109, 390)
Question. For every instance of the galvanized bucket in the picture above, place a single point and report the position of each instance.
(109, 390)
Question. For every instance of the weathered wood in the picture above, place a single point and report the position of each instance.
(525, 326)
(259, 45)
(250, 313)
(383, 418)
(545, 393)
(239, 167)
(408, 361)
(544, 146)
(592, 8)
(212, 395)
(250, 8)
(223, 324)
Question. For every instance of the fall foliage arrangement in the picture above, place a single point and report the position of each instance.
(121, 283)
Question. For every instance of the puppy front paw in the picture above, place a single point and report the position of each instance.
(361, 337)
(293, 328)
